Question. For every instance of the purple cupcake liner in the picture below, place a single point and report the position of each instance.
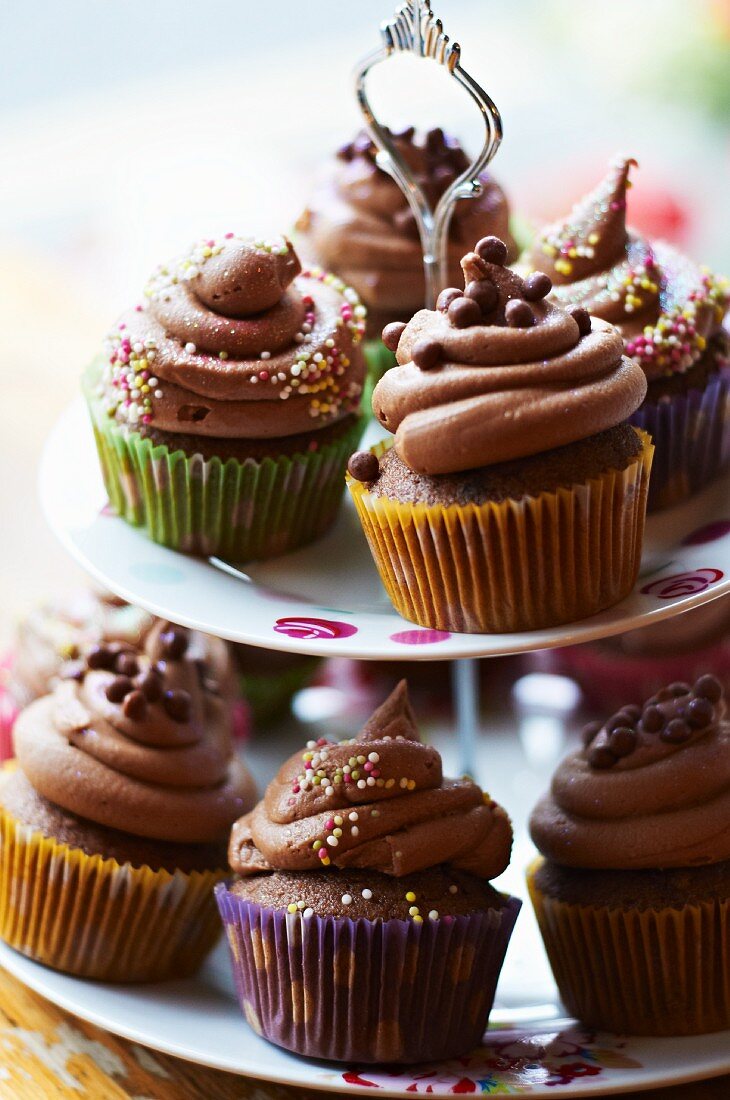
(366, 991)
(691, 434)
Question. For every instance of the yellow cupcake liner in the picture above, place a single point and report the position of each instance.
(96, 918)
(639, 972)
(515, 565)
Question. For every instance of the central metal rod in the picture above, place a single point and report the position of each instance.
(465, 692)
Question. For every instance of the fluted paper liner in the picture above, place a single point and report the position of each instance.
(515, 565)
(691, 435)
(366, 991)
(639, 971)
(240, 511)
(95, 918)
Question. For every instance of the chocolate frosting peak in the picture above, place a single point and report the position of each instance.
(496, 373)
(235, 341)
(650, 789)
(664, 305)
(376, 801)
(139, 740)
(359, 224)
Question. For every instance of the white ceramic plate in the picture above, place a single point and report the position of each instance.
(199, 1020)
(327, 599)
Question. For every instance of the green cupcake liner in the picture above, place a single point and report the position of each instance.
(239, 511)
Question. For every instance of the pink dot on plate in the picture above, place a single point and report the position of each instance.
(709, 533)
(420, 637)
(325, 629)
(683, 584)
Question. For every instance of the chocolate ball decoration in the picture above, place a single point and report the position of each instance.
(464, 312)
(178, 705)
(518, 314)
(364, 466)
(582, 319)
(622, 741)
(426, 354)
(537, 285)
(492, 250)
(676, 732)
(392, 334)
(652, 720)
(600, 756)
(700, 712)
(447, 296)
(484, 293)
(709, 687)
(118, 688)
(134, 706)
(173, 643)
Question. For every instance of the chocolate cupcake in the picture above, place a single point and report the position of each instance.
(226, 405)
(670, 313)
(113, 825)
(362, 924)
(513, 497)
(50, 642)
(633, 893)
(359, 224)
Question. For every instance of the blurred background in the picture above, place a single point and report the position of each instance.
(129, 128)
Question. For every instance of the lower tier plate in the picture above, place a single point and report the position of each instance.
(327, 599)
(523, 1054)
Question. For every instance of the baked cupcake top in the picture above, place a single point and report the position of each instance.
(664, 304)
(233, 340)
(497, 372)
(377, 801)
(138, 740)
(51, 640)
(359, 223)
(650, 788)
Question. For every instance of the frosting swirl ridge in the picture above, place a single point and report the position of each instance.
(376, 801)
(649, 790)
(496, 372)
(235, 341)
(138, 740)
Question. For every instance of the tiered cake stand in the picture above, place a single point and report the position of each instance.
(327, 600)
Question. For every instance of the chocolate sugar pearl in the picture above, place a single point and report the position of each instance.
(447, 296)
(392, 334)
(150, 684)
(676, 731)
(134, 706)
(519, 314)
(100, 656)
(177, 705)
(709, 687)
(492, 250)
(363, 466)
(484, 293)
(582, 319)
(118, 688)
(426, 354)
(173, 643)
(464, 312)
(126, 665)
(537, 285)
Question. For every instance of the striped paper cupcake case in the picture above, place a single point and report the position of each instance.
(691, 435)
(515, 565)
(238, 510)
(366, 991)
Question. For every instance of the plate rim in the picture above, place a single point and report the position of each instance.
(463, 648)
(31, 974)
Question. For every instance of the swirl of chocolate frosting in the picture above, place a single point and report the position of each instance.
(496, 372)
(376, 801)
(665, 306)
(649, 790)
(139, 741)
(235, 341)
(359, 224)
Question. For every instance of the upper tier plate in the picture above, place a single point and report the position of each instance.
(327, 599)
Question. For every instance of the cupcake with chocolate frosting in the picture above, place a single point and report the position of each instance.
(362, 923)
(359, 224)
(225, 406)
(670, 313)
(513, 496)
(51, 639)
(113, 825)
(632, 893)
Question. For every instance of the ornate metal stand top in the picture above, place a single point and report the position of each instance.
(414, 29)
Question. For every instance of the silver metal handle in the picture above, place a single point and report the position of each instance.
(414, 29)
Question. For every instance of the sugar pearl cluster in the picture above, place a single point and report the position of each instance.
(129, 381)
(673, 343)
(674, 715)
